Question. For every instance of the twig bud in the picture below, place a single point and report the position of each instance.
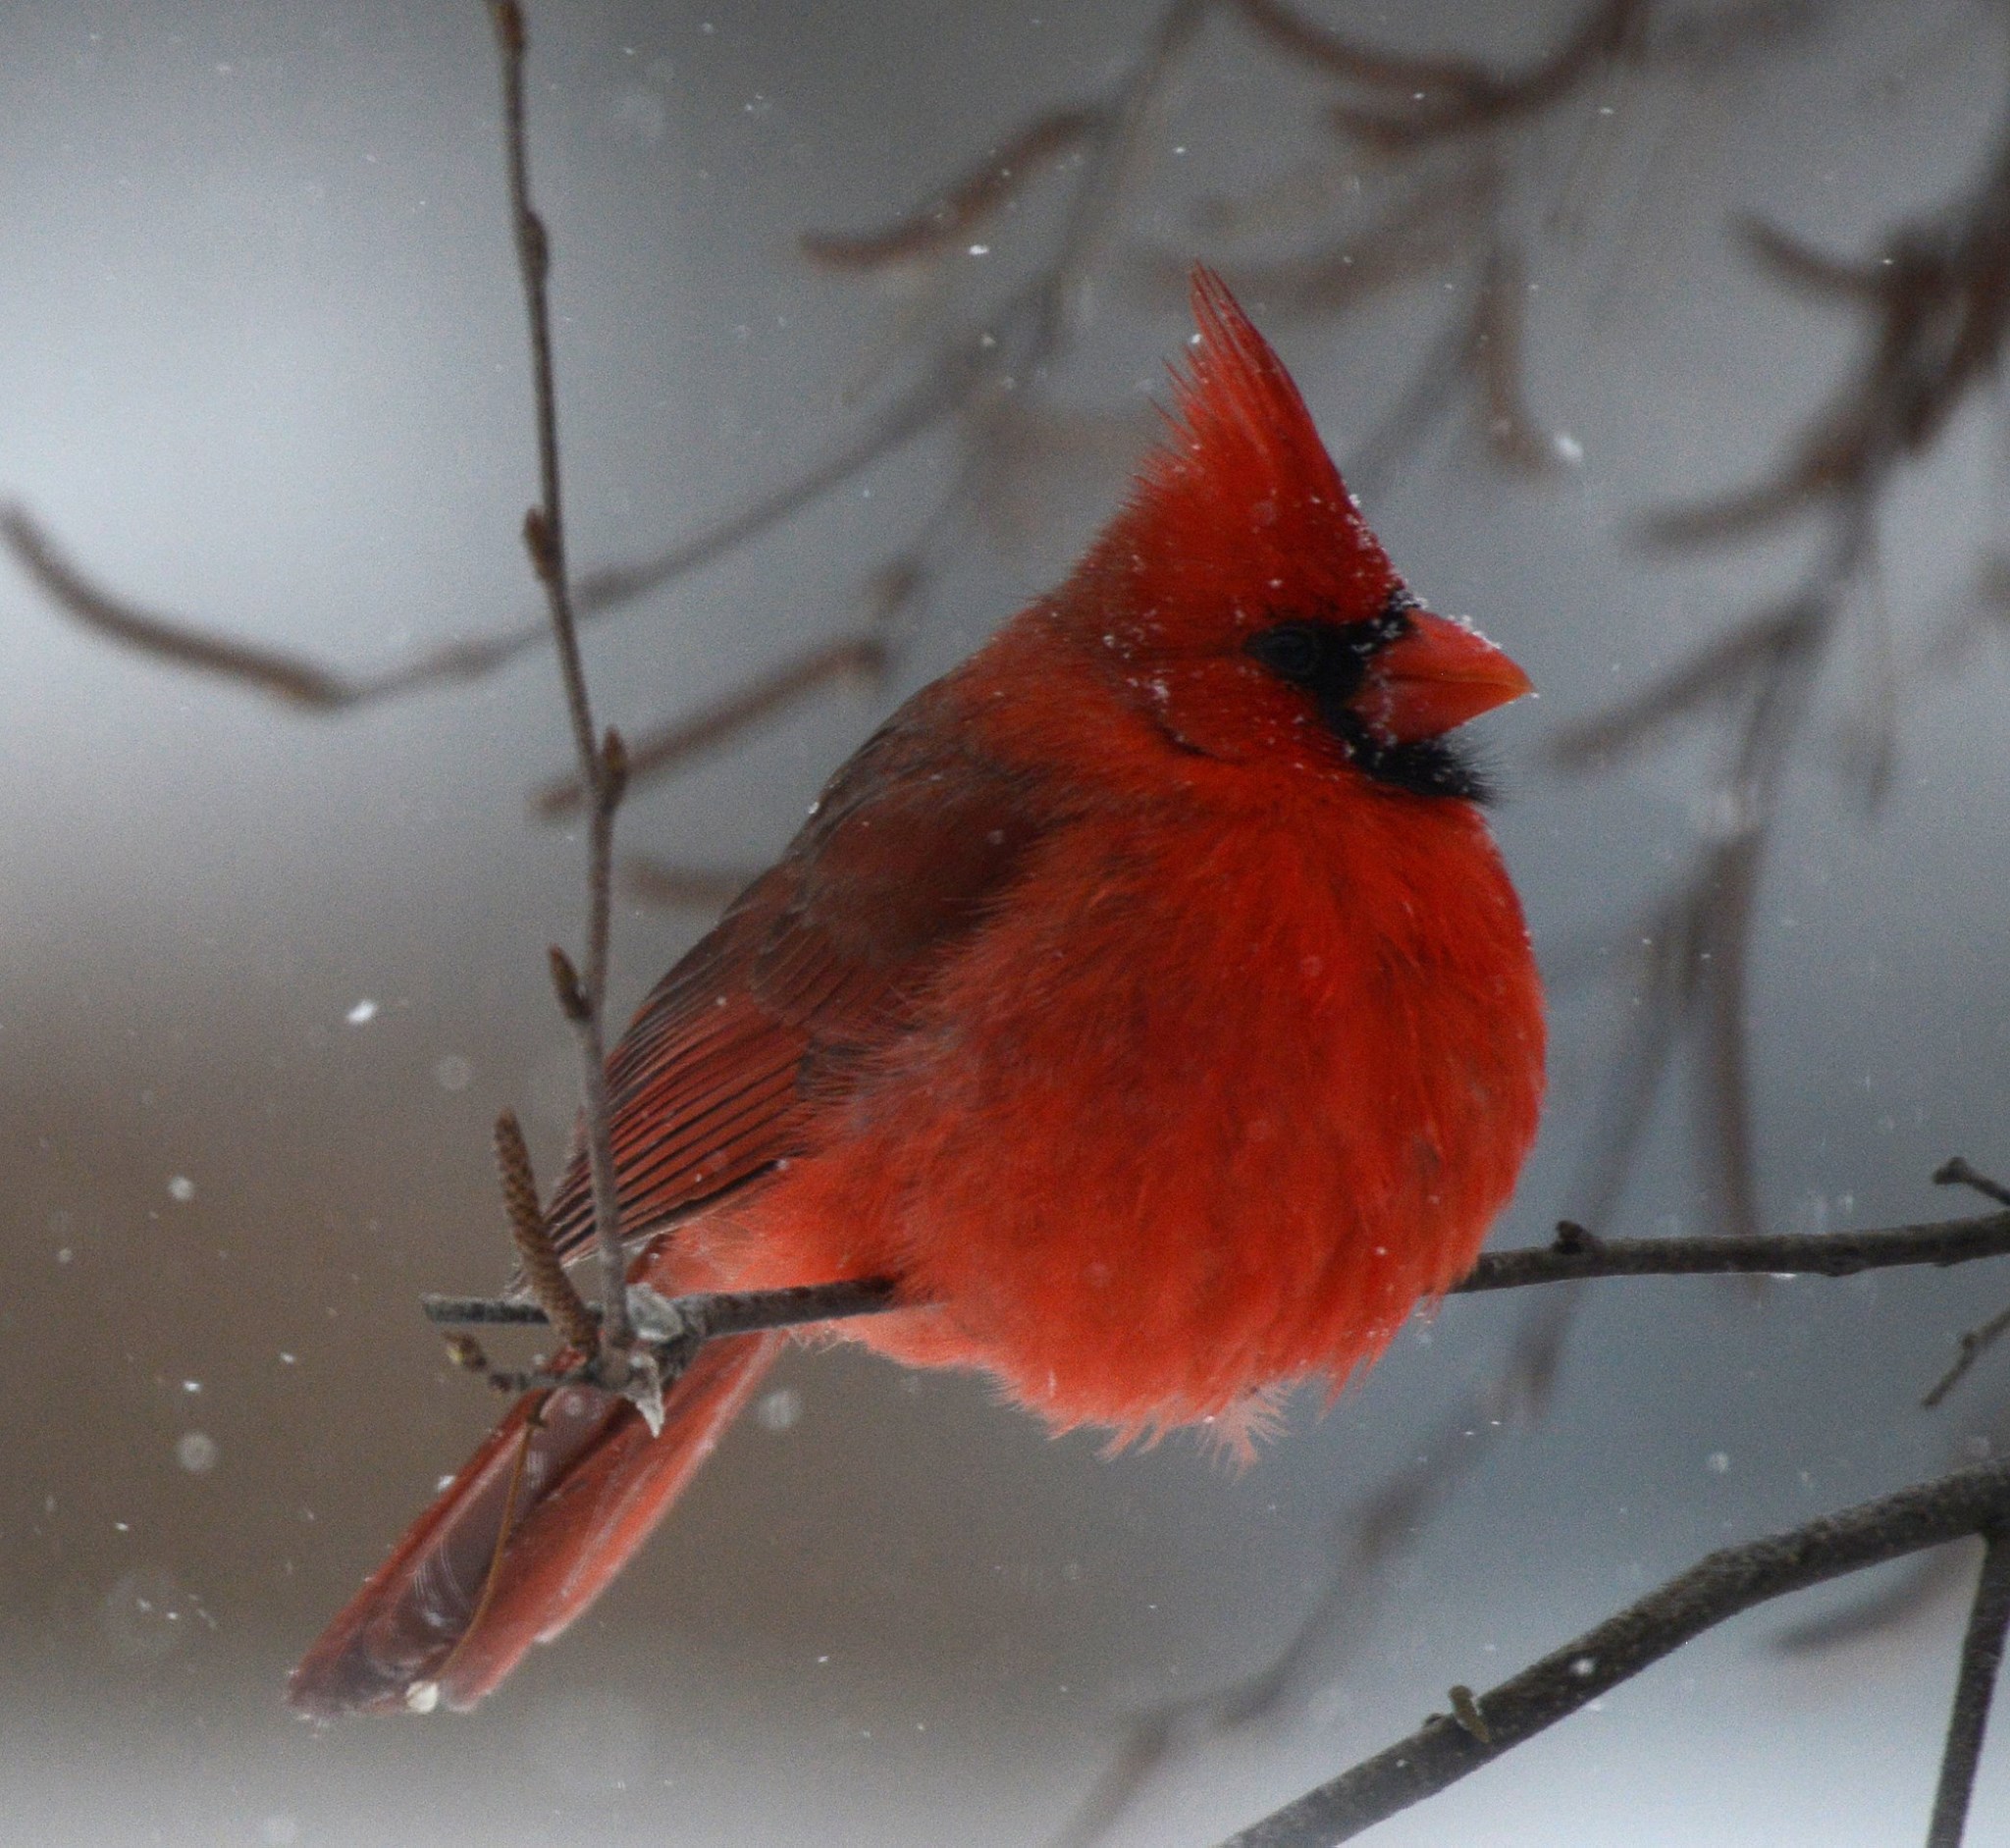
(537, 245)
(572, 1002)
(1466, 1710)
(466, 1353)
(614, 768)
(542, 544)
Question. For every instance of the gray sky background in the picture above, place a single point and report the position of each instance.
(261, 361)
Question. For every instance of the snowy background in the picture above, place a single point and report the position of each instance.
(265, 978)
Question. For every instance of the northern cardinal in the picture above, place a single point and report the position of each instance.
(1147, 997)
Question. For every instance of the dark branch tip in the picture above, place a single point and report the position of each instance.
(1956, 1171)
(509, 34)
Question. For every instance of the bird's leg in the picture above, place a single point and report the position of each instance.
(671, 1329)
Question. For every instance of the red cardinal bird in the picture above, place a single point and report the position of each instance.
(1147, 998)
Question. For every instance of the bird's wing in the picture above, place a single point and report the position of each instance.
(818, 964)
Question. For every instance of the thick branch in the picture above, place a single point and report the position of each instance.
(1444, 1749)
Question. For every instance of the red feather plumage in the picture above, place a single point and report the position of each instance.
(1146, 997)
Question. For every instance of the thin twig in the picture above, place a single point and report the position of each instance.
(684, 888)
(1937, 326)
(965, 202)
(705, 1316)
(1716, 1587)
(1819, 1254)
(1975, 1343)
(299, 682)
(1974, 1686)
(1955, 1172)
(670, 1330)
(1816, 274)
(1495, 352)
(680, 1326)
(1430, 227)
(848, 658)
(603, 763)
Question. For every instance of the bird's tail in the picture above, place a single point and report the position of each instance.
(541, 1516)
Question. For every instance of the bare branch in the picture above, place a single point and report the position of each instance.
(1901, 1598)
(702, 1317)
(603, 762)
(1719, 1587)
(1576, 1254)
(848, 658)
(965, 202)
(1433, 224)
(1814, 273)
(1469, 97)
(167, 638)
(1974, 1686)
(1719, 670)
(1321, 48)
(1955, 1172)
(1496, 355)
(684, 888)
(1975, 1343)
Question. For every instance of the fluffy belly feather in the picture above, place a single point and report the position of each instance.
(1148, 1198)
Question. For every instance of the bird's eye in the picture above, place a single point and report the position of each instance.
(1295, 651)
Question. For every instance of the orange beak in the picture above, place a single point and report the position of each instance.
(1438, 676)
